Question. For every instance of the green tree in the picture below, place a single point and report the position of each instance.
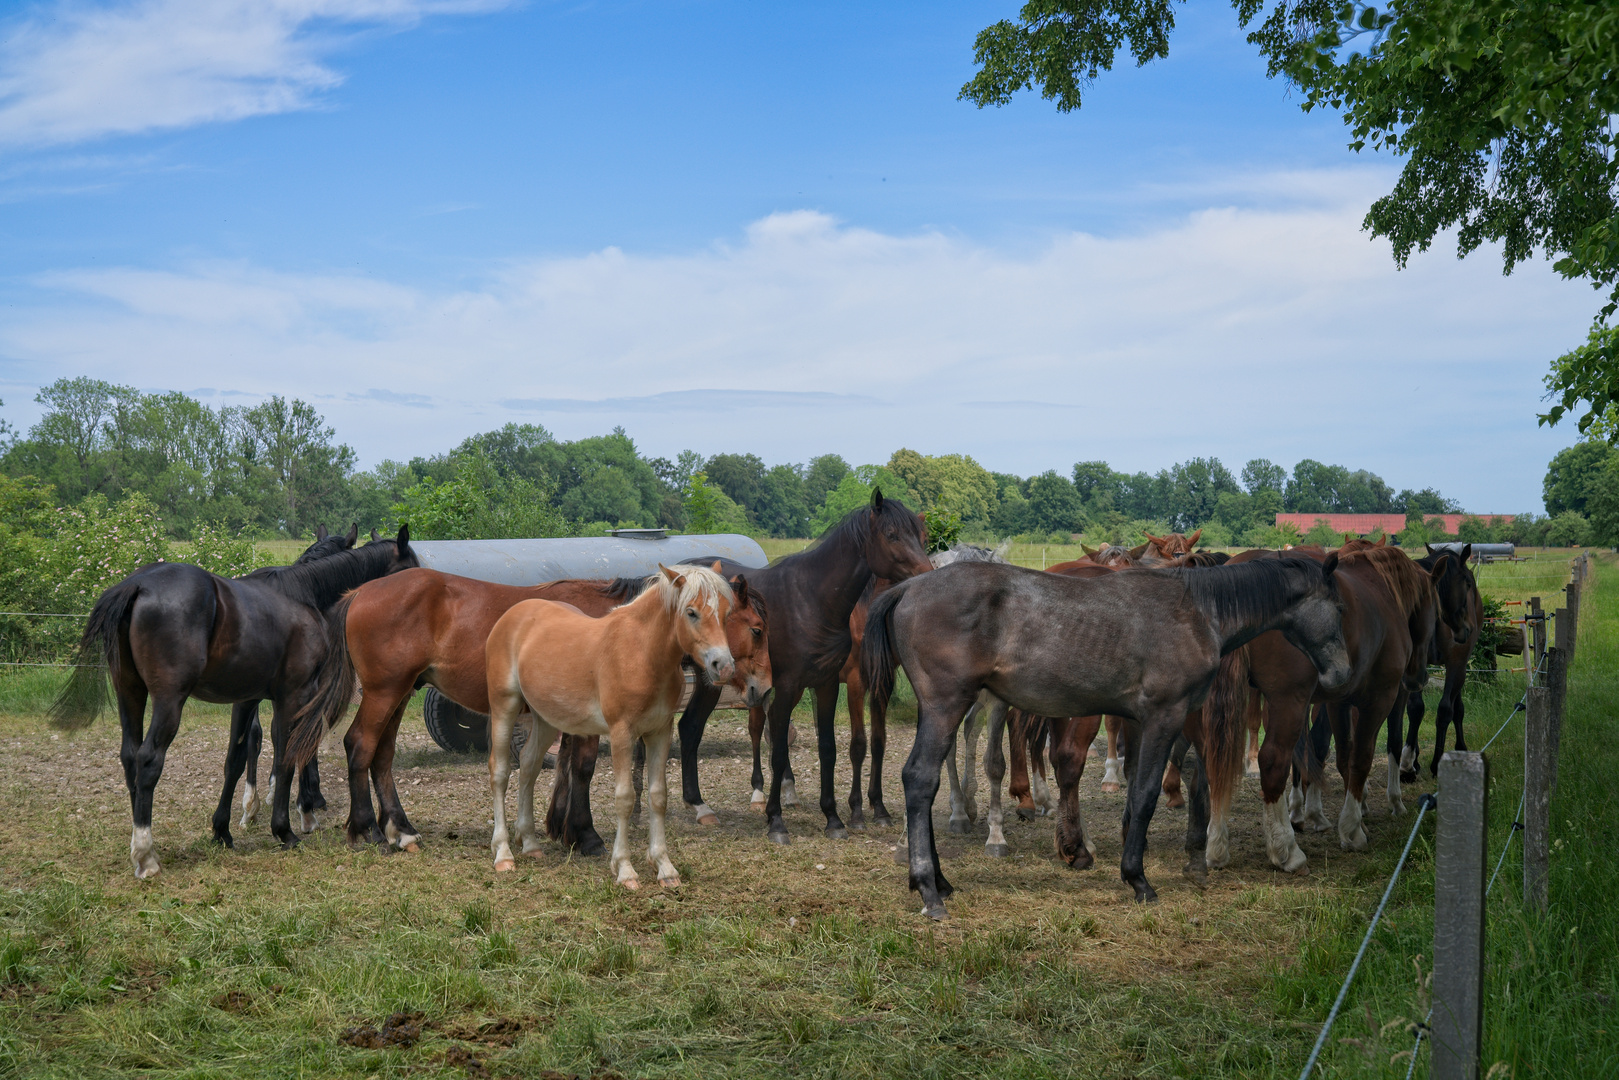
(287, 447)
(1500, 110)
(854, 491)
(741, 476)
(1569, 476)
(478, 503)
(710, 510)
(783, 510)
(1195, 488)
(1054, 504)
(1261, 474)
(824, 473)
(1568, 529)
(1602, 503)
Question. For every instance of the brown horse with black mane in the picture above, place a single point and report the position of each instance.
(424, 627)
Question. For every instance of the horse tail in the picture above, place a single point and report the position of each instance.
(81, 700)
(1309, 753)
(1225, 730)
(877, 660)
(334, 689)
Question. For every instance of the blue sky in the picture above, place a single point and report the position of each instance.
(431, 217)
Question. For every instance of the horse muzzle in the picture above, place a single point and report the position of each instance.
(755, 693)
(719, 666)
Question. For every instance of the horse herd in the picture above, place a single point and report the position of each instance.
(1174, 649)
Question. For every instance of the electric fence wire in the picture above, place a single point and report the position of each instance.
(1426, 803)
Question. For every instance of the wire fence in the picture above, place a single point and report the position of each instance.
(1550, 678)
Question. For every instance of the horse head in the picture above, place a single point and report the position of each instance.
(748, 637)
(896, 544)
(1315, 621)
(1454, 585)
(700, 601)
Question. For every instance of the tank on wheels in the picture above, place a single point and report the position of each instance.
(624, 553)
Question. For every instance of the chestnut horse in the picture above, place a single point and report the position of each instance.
(171, 631)
(1145, 645)
(426, 627)
(620, 675)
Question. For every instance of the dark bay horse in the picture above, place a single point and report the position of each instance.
(1145, 645)
(171, 631)
(426, 627)
(1453, 649)
(811, 595)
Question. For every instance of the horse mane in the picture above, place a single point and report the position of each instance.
(701, 586)
(623, 590)
(1249, 592)
(1404, 578)
(1204, 558)
(320, 583)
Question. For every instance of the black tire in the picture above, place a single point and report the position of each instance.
(454, 727)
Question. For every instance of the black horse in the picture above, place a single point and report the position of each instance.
(1144, 645)
(171, 631)
(1452, 648)
(810, 596)
(247, 735)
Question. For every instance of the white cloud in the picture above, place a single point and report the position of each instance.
(1237, 333)
(81, 70)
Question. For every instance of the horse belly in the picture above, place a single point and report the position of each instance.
(572, 714)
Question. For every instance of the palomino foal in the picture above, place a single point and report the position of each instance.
(620, 676)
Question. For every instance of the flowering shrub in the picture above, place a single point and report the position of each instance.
(229, 554)
(98, 545)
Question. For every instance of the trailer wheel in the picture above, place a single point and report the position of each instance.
(454, 727)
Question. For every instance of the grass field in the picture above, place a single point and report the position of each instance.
(807, 960)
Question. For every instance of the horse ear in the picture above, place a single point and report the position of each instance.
(877, 499)
(321, 533)
(1192, 540)
(1467, 553)
(739, 588)
(1441, 567)
(1330, 565)
(1151, 539)
(676, 578)
(1383, 541)
(402, 541)
(354, 534)
(1137, 552)
(374, 536)
(1429, 547)
(1087, 549)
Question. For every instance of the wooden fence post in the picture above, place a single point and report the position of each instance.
(1535, 623)
(1557, 700)
(1458, 930)
(1537, 799)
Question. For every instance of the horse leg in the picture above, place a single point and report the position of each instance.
(1113, 778)
(920, 777)
(1286, 718)
(826, 737)
(693, 723)
(657, 796)
(778, 715)
(1414, 708)
(529, 763)
(1396, 742)
(1071, 739)
(879, 744)
(253, 742)
(958, 796)
(1256, 717)
(1351, 834)
(1019, 722)
(1039, 730)
(622, 742)
(132, 697)
(395, 825)
(789, 785)
(973, 725)
(1196, 869)
(377, 705)
(637, 772)
(1148, 751)
(281, 765)
(994, 772)
(505, 704)
(1450, 711)
(241, 716)
(309, 791)
(855, 696)
(756, 728)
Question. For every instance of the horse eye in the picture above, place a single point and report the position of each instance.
(756, 631)
(691, 613)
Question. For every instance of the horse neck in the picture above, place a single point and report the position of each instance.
(1236, 631)
(657, 622)
(839, 573)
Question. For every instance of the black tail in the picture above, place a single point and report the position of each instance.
(877, 650)
(85, 695)
(334, 689)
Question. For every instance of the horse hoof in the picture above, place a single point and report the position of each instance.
(836, 832)
(1110, 789)
(671, 882)
(632, 884)
(1408, 777)
(1197, 873)
(319, 803)
(957, 827)
(289, 842)
(997, 851)
(856, 825)
(709, 818)
(1084, 860)
(1176, 801)
(780, 838)
(758, 807)
(880, 817)
(1027, 813)
(413, 847)
(1145, 894)
(936, 912)
(224, 840)
(549, 761)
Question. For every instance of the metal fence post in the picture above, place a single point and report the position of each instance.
(1537, 799)
(1458, 931)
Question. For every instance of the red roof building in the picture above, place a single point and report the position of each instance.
(1361, 524)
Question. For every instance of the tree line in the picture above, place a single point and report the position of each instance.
(277, 469)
